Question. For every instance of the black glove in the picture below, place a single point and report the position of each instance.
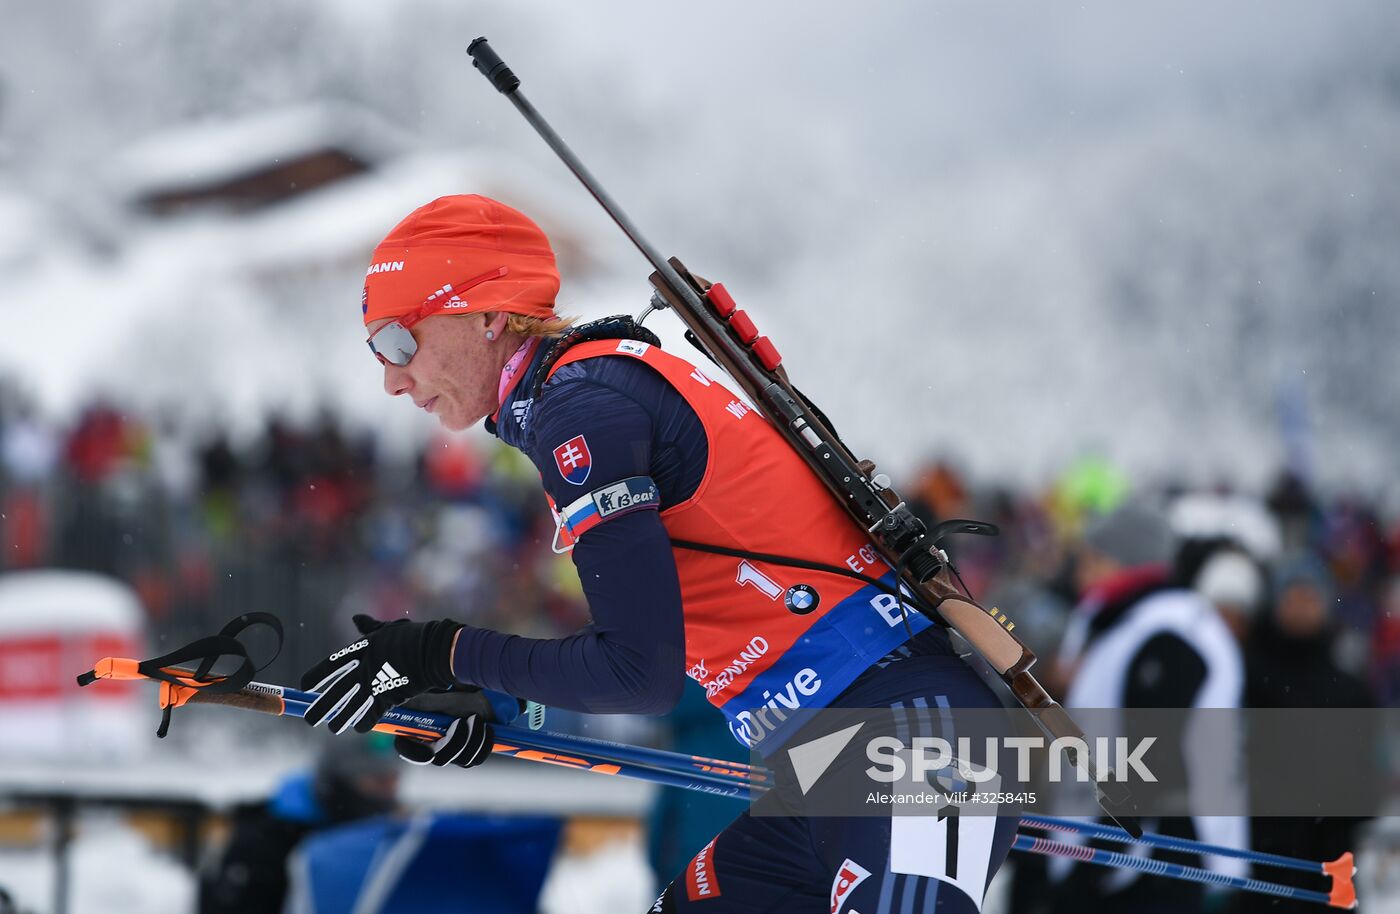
(468, 740)
(387, 667)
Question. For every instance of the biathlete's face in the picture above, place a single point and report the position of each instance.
(455, 371)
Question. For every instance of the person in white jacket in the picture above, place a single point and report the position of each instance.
(1141, 639)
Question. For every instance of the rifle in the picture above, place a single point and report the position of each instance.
(726, 333)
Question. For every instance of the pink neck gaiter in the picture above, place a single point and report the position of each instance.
(510, 374)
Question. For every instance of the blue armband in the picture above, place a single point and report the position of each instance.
(635, 493)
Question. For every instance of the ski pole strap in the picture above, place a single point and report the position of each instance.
(178, 685)
(236, 626)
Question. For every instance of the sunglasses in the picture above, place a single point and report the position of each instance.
(394, 343)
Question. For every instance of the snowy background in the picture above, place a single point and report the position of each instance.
(1013, 236)
(1164, 233)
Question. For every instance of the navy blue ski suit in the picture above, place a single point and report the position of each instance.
(631, 659)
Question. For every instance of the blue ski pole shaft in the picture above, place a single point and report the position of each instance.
(1046, 847)
(1095, 830)
(657, 762)
(599, 756)
(1343, 893)
(657, 758)
(741, 782)
(423, 724)
(738, 781)
(507, 745)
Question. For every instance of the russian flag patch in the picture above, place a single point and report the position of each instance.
(573, 460)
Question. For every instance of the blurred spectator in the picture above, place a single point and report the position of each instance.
(1122, 559)
(939, 493)
(1385, 658)
(453, 469)
(28, 448)
(1091, 485)
(28, 452)
(1355, 552)
(98, 445)
(1233, 583)
(1290, 653)
(219, 475)
(1290, 665)
(1139, 639)
(1297, 512)
(250, 875)
(1206, 521)
(172, 461)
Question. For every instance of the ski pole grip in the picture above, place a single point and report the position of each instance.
(492, 67)
(244, 699)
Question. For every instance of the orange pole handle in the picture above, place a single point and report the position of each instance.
(1343, 894)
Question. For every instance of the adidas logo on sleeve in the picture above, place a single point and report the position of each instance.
(387, 678)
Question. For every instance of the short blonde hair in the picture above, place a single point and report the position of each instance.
(548, 327)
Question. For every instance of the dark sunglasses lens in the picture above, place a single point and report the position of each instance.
(393, 343)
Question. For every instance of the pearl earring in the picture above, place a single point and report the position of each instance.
(490, 334)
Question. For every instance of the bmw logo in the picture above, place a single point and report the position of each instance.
(802, 599)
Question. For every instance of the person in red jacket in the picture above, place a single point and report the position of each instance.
(639, 453)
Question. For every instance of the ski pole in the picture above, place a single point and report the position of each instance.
(603, 757)
(599, 756)
(1095, 830)
(1340, 870)
(739, 780)
(719, 778)
(529, 748)
(652, 764)
(1343, 894)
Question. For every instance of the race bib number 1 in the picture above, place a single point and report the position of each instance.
(950, 846)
